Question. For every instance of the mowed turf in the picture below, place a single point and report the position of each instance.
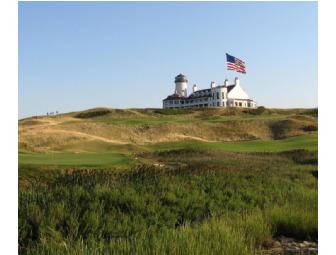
(307, 142)
(75, 159)
(116, 158)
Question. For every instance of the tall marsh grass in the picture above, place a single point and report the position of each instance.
(214, 203)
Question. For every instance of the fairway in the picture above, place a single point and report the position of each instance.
(308, 142)
(118, 159)
(74, 159)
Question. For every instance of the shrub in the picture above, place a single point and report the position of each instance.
(312, 112)
(260, 110)
(173, 111)
(280, 129)
(309, 128)
(92, 113)
(302, 156)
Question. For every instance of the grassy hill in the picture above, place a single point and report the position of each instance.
(138, 126)
(123, 132)
(153, 181)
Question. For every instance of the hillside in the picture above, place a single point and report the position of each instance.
(103, 129)
(153, 181)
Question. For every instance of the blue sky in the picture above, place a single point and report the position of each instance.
(79, 55)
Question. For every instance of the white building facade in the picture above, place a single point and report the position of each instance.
(216, 96)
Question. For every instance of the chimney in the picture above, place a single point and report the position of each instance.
(212, 84)
(237, 83)
(226, 82)
(194, 88)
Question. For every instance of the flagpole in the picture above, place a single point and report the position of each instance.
(225, 66)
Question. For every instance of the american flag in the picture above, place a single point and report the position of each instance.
(235, 64)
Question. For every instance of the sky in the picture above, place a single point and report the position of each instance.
(79, 55)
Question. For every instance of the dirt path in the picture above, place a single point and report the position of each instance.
(54, 126)
(193, 138)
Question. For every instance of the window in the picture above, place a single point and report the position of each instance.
(217, 102)
(213, 95)
(222, 95)
(217, 95)
(236, 104)
(248, 104)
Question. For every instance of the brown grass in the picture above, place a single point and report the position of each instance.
(49, 133)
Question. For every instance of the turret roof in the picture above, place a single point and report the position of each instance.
(181, 78)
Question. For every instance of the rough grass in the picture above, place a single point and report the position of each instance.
(149, 181)
(141, 126)
(212, 202)
(213, 237)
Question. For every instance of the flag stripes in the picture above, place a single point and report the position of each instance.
(235, 64)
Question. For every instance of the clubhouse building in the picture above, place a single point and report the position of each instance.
(226, 95)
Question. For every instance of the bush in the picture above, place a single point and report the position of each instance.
(92, 113)
(173, 111)
(302, 156)
(260, 110)
(281, 129)
(312, 112)
(309, 128)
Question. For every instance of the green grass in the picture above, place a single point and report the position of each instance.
(216, 202)
(173, 119)
(307, 142)
(203, 198)
(75, 159)
(172, 116)
(138, 126)
(107, 155)
(212, 237)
